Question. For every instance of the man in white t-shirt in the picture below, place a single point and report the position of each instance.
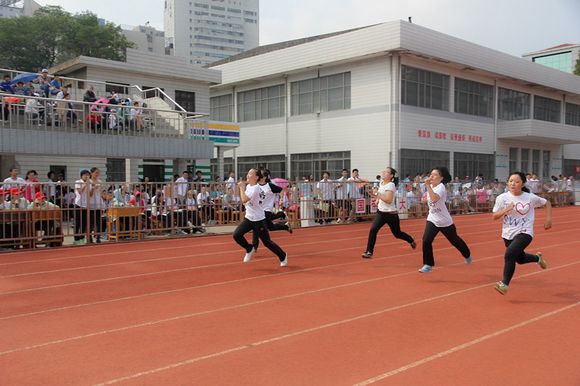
(231, 181)
(342, 199)
(355, 189)
(82, 190)
(14, 181)
(325, 188)
(181, 185)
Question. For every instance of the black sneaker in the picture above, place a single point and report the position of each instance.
(414, 245)
(289, 228)
(367, 255)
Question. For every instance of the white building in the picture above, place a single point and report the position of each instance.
(16, 8)
(147, 39)
(396, 94)
(204, 31)
(562, 57)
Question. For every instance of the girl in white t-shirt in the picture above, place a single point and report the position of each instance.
(516, 206)
(253, 199)
(387, 213)
(439, 219)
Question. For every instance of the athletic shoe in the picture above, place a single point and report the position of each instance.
(289, 228)
(79, 242)
(367, 255)
(414, 245)
(501, 288)
(426, 269)
(543, 263)
(284, 263)
(249, 255)
(468, 260)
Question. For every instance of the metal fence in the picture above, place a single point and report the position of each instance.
(57, 213)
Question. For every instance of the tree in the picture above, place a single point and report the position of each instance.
(53, 36)
(577, 69)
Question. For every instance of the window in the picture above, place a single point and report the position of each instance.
(514, 160)
(185, 99)
(422, 161)
(535, 161)
(546, 164)
(473, 98)
(424, 89)
(326, 93)
(119, 88)
(275, 163)
(546, 109)
(221, 108)
(58, 169)
(115, 169)
(562, 61)
(572, 114)
(470, 164)
(314, 164)
(262, 103)
(228, 166)
(569, 167)
(513, 105)
(525, 157)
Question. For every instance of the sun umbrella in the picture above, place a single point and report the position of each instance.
(281, 182)
(25, 78)
(98, 104)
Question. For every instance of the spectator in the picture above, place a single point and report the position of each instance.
(6, 85)
(82, 190)
(14, 181)
(33, 109)
(205, 205)
(55, 85)
(181, 187)
(16, 200)
(43, 81)
(33, 185)
(121, 197)
(95, 204)
(356, 185)
(136, 116)
(193, 219)
(199, 176)
(342, 201)
(231, 181)
(326, 196)
(3, 203)
(20, 89)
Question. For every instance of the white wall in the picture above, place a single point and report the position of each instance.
(73, 165)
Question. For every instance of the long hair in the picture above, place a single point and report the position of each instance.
(395, 178)
(523, 178)
(444, 172)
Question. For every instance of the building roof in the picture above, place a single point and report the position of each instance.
(385, 39)
(281, 45)
(557, 48)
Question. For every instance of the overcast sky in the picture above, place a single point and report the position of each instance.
(512, 26)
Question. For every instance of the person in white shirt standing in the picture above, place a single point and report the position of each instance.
(82, 189)
(387, 213)
(355, 192)
(516, 206)
(181, 187)
(231, 181)
(439, 219)
(342, 193)
(14, 181)
(253, 198)
(326, 195)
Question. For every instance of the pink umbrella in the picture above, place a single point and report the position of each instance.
(98, 104)
(281, 182)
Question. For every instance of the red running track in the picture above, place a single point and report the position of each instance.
(188, 312)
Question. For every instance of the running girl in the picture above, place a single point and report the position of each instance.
(253, 198)
(439, 219)
(387, 213)
(516, 206)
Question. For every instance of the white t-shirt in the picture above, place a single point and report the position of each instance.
(81, 198)
(354, 191)
(521, 218)
(269, 197)
(254, 207)
(384, 188)
(181, 186)
(438, 213)
(14, 183)
(342, 189)
(326, 189)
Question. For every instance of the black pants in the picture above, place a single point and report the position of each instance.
(80, 215)
(271, 227)
(450, 233)
(514, 253)
(261, 229)
(392, 219)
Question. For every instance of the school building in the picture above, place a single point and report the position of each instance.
(396, 94)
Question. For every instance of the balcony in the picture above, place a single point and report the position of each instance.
(533, 130)
(75, 128)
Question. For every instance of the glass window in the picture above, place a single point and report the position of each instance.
(514, 164)
(470, 164)
(525, 157)
(562, 61)
(275, 163)
(262, 103)
(473, 98)
(424, 88)
(221, 108)
(535, 161)
(546, 109)
(228, 166)
(327, 93)
(314, 164)
(422, 161)
(513, 105)
(546, 164)
(572, 114)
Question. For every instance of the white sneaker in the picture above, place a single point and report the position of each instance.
(249, 255)
(285, 262)
(426, 269)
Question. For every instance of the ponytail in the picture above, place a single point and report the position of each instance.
(395, 179)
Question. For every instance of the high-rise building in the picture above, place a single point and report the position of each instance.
(205, 31)
(562, 57)
(147, 39)
(16, 8)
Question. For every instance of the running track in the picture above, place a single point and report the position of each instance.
(188, 312)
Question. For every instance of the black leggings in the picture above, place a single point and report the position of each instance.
(261, 229)
(450, 233)
(391, 219)
(271, 227)
(514, 253)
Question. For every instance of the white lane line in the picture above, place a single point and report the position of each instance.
(316, 328)
(465, 345)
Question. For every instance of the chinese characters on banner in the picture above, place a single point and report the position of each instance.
(374, 205)
(361, 206)
(451, 137)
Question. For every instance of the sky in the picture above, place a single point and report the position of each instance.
(511, 26)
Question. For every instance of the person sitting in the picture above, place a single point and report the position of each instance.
(55, 85)
(33, 109)
(16, 200)
(6, 85)
(193, 219)
(19, 89)
(43, 81)
(44, 227)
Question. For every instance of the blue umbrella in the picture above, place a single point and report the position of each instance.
(25, 78)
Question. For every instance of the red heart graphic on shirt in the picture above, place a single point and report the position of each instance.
(522, 209)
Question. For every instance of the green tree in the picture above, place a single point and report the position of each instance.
(577, 69)
(53, 36)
